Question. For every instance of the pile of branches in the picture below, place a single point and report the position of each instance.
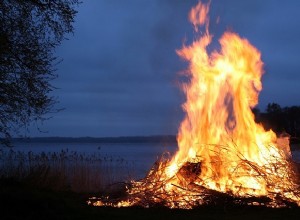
(154, 189)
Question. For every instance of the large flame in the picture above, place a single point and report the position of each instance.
(221, 148)
(219, 128)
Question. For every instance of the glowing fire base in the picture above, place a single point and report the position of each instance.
(187, 190)
(223, 154)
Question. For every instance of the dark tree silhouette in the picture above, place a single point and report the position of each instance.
(276, 117)
(273, 108)
(293, 121)
(280, 120)
(29, 32)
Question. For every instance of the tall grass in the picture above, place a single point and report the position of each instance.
(65, 170)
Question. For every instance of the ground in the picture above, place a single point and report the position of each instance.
(22, 201)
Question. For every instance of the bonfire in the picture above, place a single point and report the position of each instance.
(223, 154)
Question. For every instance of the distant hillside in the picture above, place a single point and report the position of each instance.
(130, 139)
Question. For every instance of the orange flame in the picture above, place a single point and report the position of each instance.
(199, 15)
(219, 128)
(221, 148)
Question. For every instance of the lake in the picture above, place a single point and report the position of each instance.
(141, 155)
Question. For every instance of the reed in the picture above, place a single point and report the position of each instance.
(65, 170)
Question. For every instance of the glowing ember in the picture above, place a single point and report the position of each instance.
(222, 152)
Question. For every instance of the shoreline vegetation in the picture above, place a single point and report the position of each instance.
(121, 139)
(65, 170)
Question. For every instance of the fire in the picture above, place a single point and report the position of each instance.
(222, 151)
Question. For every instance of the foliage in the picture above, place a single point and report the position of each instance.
(281, 119)
(29, 32)
(65, 170)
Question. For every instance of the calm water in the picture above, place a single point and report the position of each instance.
(141, 155)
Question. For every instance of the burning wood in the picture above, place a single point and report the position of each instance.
(223, 154)
(189, 172)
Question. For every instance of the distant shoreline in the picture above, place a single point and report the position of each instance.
(122, 139)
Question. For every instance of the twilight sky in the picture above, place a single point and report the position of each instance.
(120, 72)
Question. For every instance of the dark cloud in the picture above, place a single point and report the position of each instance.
(120, 70)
